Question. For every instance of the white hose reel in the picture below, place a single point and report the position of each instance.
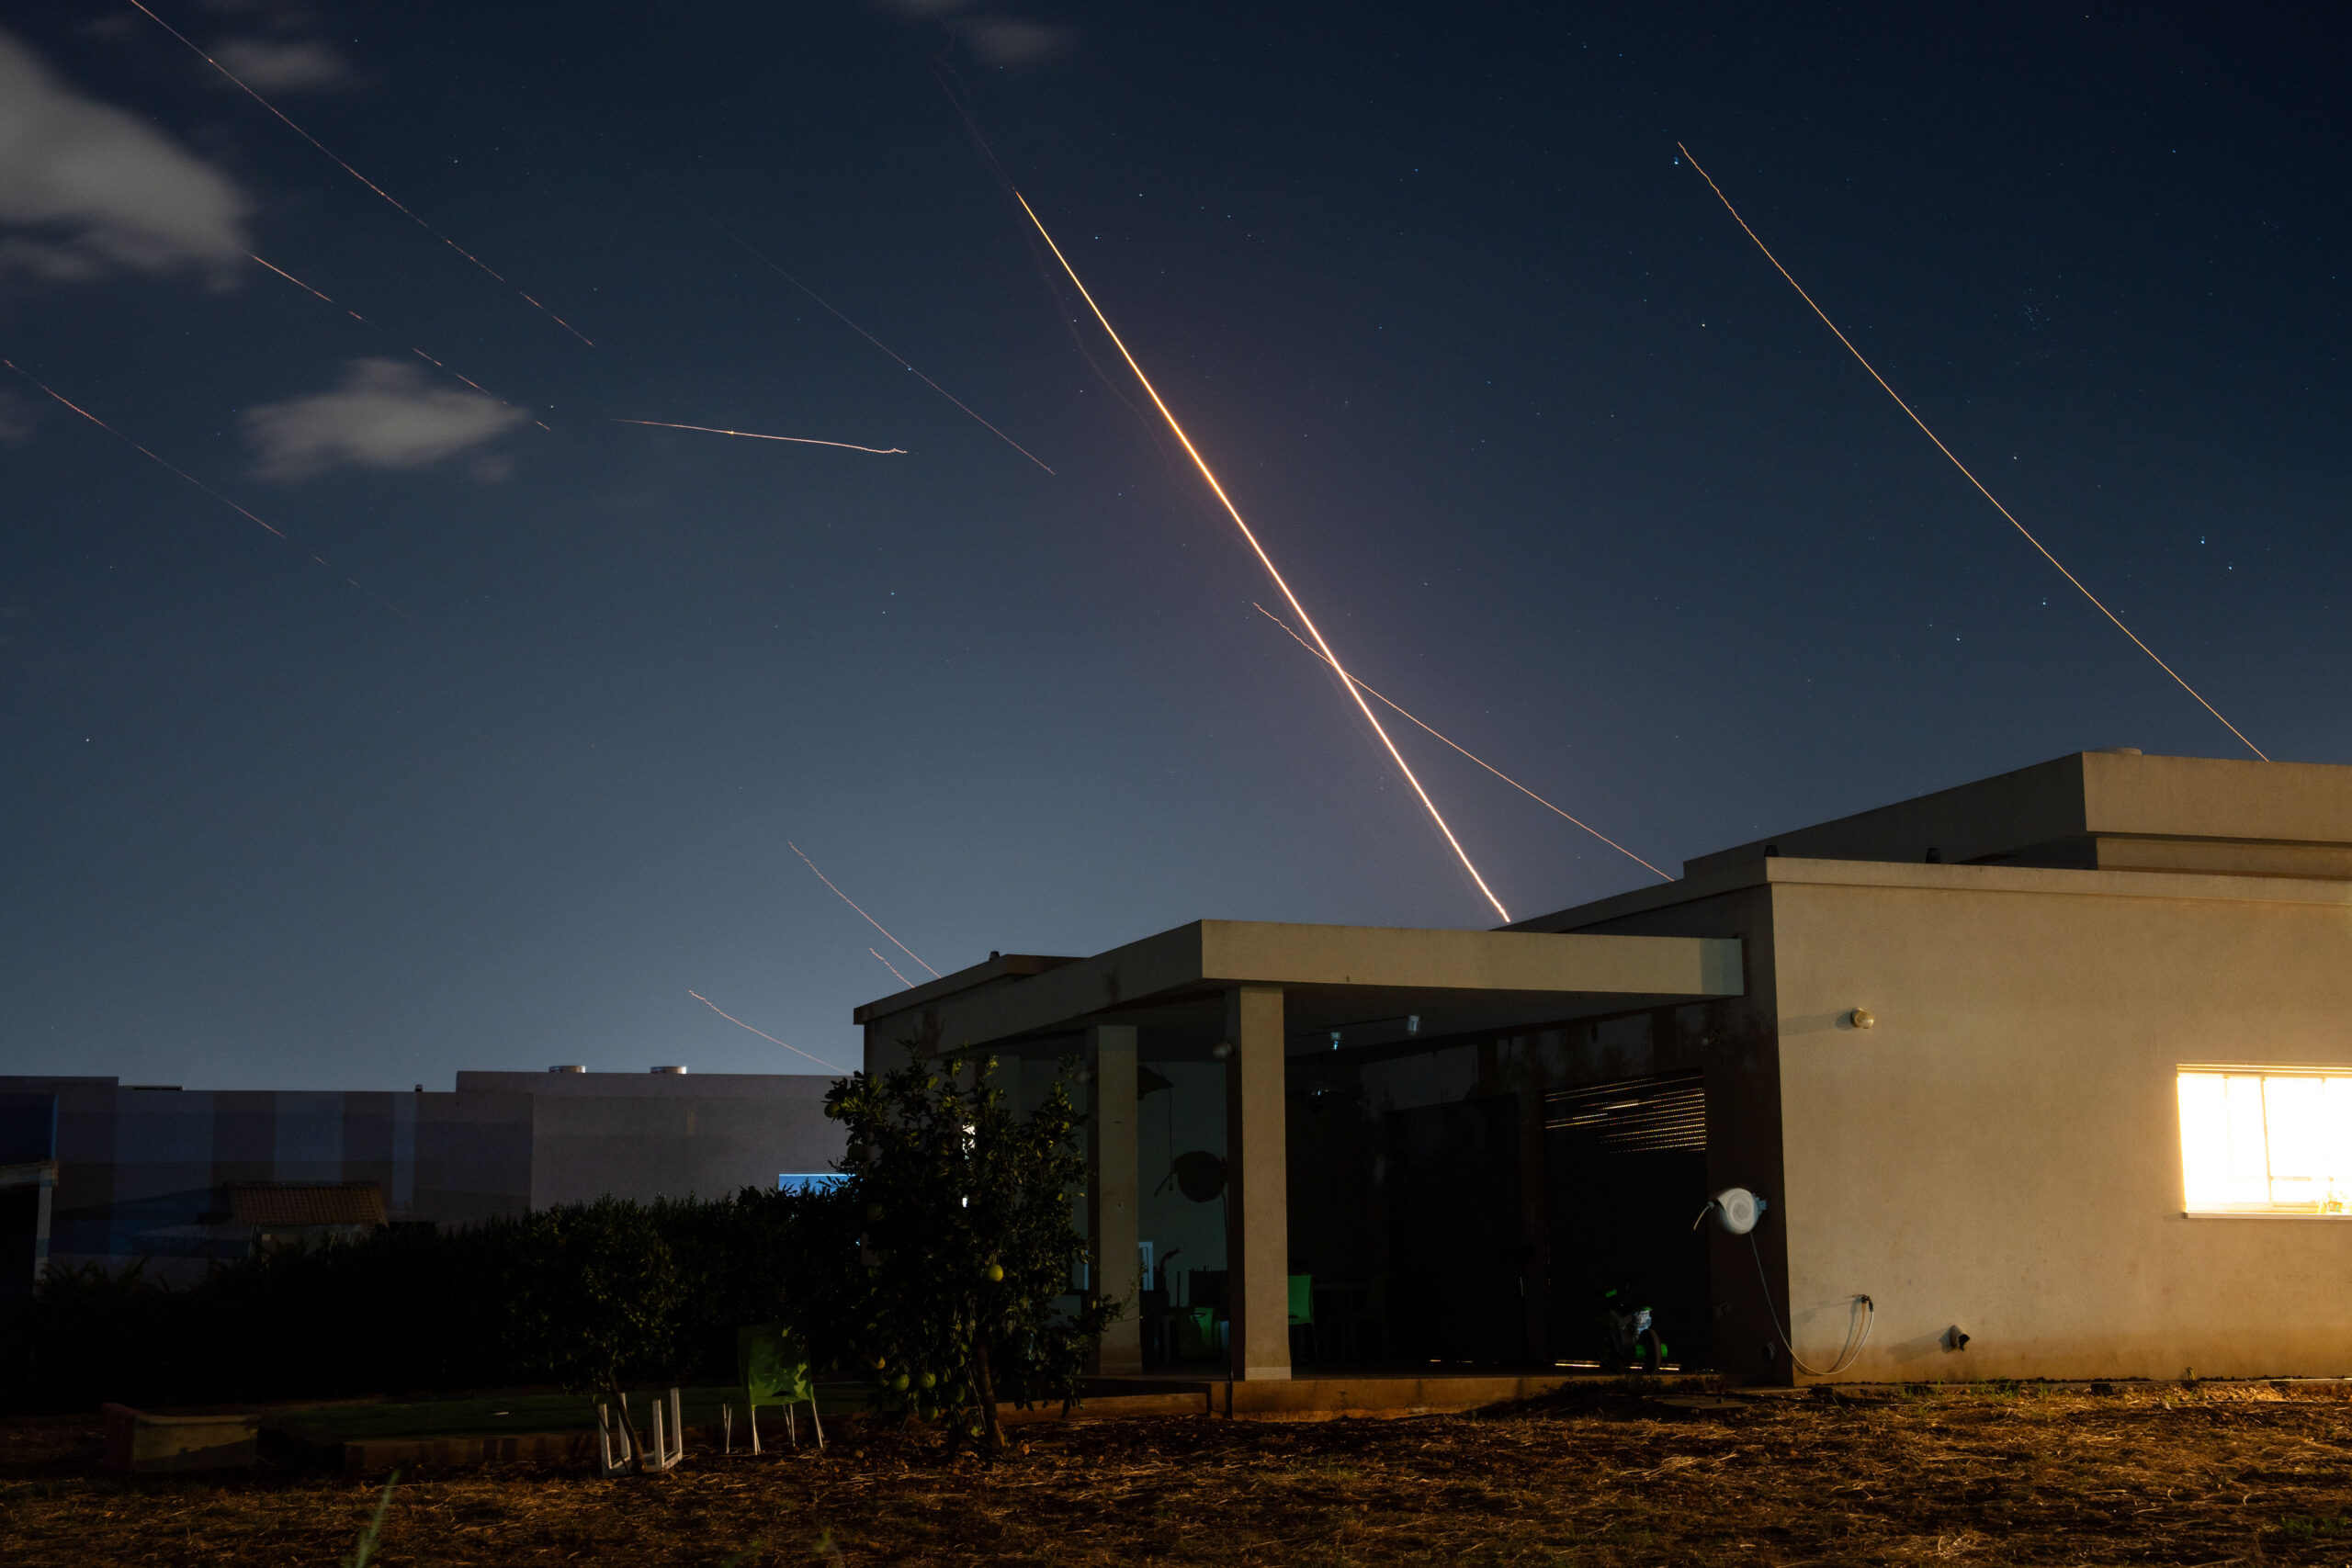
(1737, 1211)
(1734, 1208)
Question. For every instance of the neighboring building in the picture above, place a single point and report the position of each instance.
(667, 1133)
(182, 1177)
(2054, 1069)
(28, 1184)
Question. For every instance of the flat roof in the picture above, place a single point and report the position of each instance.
(2115, 794)
(1371, 984)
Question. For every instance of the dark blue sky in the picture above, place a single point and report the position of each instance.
(1556, 459)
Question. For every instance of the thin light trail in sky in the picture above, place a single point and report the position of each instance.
(852, 903)
(768, 261)
(372, 327)
(164, 463)
(1963, 467)
(755, 436)
(1267, 561)
(893, 969)
(355, 175)
(1467, 751)
(762, 1033)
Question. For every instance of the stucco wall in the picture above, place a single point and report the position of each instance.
(2001, 1152)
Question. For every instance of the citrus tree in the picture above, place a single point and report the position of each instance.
(969, 1249)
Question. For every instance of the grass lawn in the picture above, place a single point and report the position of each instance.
(1599, 1477)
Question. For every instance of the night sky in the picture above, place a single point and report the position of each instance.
(1556, 458)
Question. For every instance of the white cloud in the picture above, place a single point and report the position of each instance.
(998, 40)
(86, 188)
(270, 67)
(385, 415)
(1001, 40)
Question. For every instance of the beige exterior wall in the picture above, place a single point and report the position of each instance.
(2001, 1152)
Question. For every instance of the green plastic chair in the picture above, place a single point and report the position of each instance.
(1302, 1312)
(1195, 1333)
(772, 1365)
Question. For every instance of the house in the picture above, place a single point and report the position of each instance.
(2049, 1075)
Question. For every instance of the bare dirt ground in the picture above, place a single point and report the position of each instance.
(2162, 1475)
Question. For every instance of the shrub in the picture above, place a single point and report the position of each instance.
(410, 1310)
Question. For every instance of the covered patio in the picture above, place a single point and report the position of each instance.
(1280, 1018)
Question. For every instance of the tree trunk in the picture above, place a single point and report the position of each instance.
(991, 1435)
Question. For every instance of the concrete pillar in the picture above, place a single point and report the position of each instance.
(1112, 1209)
(1257, 1184)
(1535, 1218)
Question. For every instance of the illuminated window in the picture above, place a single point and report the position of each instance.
(2266, 1143)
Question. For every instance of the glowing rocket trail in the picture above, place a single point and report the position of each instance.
(755, 436)
(852, 903)
(762, 1033)
(191, 479)
(1267, 561)
(768, 261)
(372, 327)
(1963, 467)
(893, 969)
(355, 175)
(1467, 751)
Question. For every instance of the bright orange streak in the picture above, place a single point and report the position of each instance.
(762, 1033)
(355, 174)
(755, 436)
(852, 903)
(1267, 561)
(765, 260)
(191, 479)
(372, 327)
(1956, 463)
(893, 969)
(1467, 753)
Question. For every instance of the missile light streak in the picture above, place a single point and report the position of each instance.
(1965, 470)
(355, 175)
(1267, 561)
(769, 262)
(852, 903)
(174, 467)
(755, 436)
(762, 1033)
(1467, 751)
(371, 326)
(893, 968)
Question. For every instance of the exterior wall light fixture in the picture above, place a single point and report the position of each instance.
(1862, 1017)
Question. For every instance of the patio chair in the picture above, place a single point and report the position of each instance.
(1196, 1334)
(771, 1364)
(660, 1450)
(1301, 1317)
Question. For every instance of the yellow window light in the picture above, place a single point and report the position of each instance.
(2261, 1141)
